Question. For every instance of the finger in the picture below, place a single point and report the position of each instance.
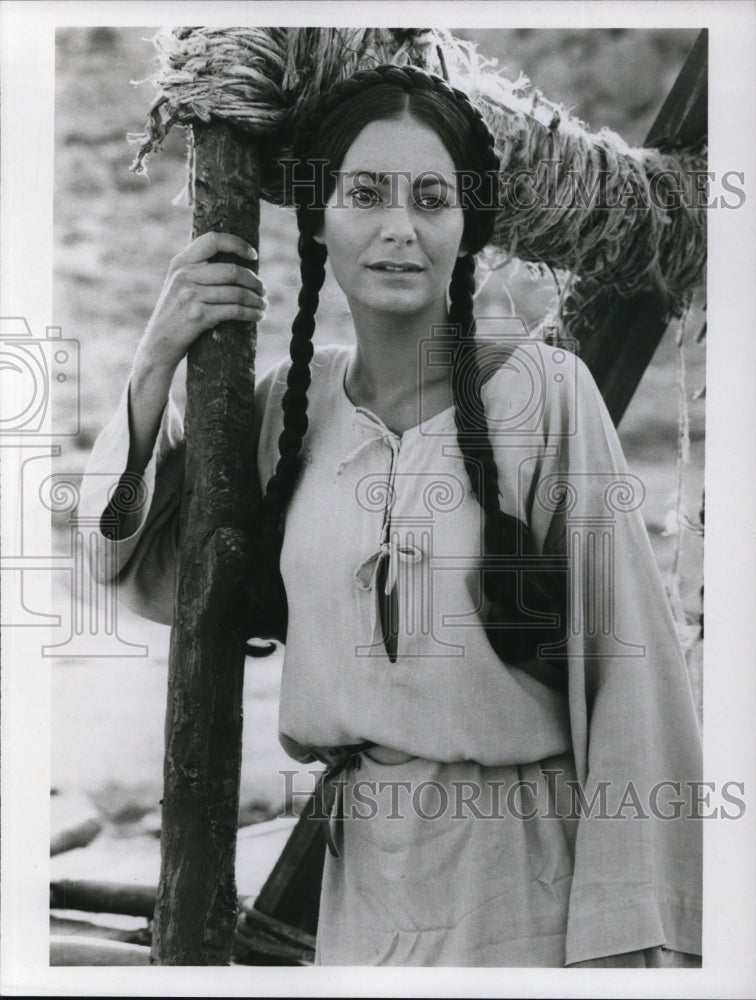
(232, 294)
(209, 244)
(230, 312)
(226, 274)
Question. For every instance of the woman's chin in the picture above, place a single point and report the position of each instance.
(398, 303)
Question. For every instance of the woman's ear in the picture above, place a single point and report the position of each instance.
(319, 236)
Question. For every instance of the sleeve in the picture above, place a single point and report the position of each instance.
(142, 566)
(635, 735)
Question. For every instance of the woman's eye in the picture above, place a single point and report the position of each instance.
(430, 200)
(364, 197)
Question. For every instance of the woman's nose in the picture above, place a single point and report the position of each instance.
(397, 225)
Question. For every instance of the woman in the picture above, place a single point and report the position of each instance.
(511, 793)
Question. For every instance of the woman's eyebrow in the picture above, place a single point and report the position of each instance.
(429, 179)
(375, 177)
(424, 178)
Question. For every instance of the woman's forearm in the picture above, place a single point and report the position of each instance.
(148, 395)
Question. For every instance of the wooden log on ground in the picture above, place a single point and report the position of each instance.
(68, 949)
(104, 929)
(196, 906)
(103, 897)
(78, 835)
(618, 337)
(263, 940)
(74, 822)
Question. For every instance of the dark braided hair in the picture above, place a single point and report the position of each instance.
(294, 403)
(382, 93)
(514, 594)
(266, 612)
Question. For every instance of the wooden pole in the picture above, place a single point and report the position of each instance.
(196, 906)
(618, 337)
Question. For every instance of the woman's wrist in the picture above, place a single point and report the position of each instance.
(151, 376)
(149, 389)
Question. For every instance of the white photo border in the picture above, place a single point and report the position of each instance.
(729, 970)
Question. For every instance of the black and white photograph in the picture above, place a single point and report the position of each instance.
(377, 546)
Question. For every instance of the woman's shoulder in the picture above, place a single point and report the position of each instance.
(327, 361)
(325, 358)
(326, 383)
(529, 359)
(328, 364)
(535, 387)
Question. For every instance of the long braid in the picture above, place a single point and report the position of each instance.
(294, 403)
(473, 438)
(511, 593)
(469, 415)
(265, 612)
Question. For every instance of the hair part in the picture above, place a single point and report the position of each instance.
(431, 108)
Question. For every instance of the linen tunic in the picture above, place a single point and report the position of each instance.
(471, 850)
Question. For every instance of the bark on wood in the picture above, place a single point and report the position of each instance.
(196, 906)
(618, 337)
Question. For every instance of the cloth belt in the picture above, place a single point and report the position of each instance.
(326, 799)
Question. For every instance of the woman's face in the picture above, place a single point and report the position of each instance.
(393, 225)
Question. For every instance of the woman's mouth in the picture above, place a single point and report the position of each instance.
(390, 267)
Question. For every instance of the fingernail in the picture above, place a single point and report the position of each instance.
(251, 252)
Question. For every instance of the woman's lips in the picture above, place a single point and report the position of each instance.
(391, 267)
